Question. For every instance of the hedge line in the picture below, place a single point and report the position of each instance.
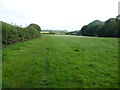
(12, 34)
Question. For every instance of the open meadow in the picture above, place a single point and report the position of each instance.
(61, 61)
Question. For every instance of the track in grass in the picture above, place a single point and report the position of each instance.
(45, 70)
(54, 61)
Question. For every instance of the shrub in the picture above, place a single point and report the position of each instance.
(9, 34)
(12, 34)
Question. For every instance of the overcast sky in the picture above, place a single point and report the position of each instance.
(57, 14)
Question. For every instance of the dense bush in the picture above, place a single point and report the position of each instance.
(35, 26)
(12, 34)
(9, 34)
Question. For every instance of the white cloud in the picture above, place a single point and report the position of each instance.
(57, 14)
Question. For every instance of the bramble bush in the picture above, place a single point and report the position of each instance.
(12, 34)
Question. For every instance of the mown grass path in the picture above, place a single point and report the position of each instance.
(61, 62)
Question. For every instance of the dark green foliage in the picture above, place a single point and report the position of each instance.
(33, 32)
(92, 28)
(95, 22)
(9, 34)
(12, 34)
(35, 26)
(107, 29)
(83, 30)
(23, 34)
(118, 26)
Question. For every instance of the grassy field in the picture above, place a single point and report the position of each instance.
(61, 62)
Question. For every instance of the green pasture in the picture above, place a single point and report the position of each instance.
(61, 61)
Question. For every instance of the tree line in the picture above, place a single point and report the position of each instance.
(109, 28)
(12, 34)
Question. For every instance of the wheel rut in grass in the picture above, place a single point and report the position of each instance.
(45, 70)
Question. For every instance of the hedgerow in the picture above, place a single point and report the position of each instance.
(12, 34)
